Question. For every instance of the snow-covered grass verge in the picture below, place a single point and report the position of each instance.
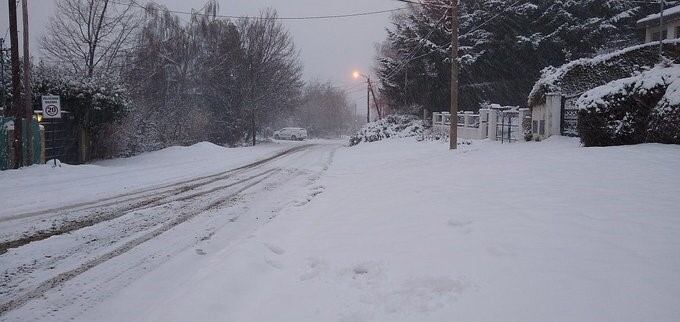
(42, 186)
(410, 231)
(392, 126)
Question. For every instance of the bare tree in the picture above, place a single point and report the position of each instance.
(90, 35)
(271, 70)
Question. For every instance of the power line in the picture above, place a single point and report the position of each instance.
(473, 29)
(414, 52)
(320, 17)
(425, 4)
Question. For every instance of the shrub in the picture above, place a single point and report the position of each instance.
(390, 126)
(625, 111)
(92, 101)
(664, 124)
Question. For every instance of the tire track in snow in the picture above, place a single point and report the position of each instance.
(153, 191)
(153, 199)
(66, 276)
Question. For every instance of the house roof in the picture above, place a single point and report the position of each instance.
(672, 13)
(581, 75)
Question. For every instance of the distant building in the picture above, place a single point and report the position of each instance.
(670, 28)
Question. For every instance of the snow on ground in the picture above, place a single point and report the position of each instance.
(407, 231)
(42, 186)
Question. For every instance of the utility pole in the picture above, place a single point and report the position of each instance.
(661, 37)
(16, 83)
(28, 91)
(375, 99)
(3, 89)
(368, 100)
(453, 130)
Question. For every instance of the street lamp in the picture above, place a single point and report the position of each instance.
(369, 92)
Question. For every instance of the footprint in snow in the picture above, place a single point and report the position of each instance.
(462, 224)
(200, 252)
(275, 249)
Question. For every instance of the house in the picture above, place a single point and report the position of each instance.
(552, 100)
(669, 30)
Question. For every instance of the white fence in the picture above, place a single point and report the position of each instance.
(473, 126)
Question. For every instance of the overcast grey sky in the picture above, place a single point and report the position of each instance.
(330, 49)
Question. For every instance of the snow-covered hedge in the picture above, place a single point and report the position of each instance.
(664, 123)
(586, 73)
(92, 101)
(390, 126)
(638, 109)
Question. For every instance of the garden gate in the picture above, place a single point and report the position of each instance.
(569, 118)
(507, 126)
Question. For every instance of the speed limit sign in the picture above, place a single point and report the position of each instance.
(51, 107)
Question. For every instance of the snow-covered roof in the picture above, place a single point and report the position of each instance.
(668, 13)
(581, 75)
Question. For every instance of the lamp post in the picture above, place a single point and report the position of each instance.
(369, 92)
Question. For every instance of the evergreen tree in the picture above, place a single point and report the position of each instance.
(504, 44)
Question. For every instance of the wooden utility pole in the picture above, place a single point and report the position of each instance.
(375, 99)
(3, 89)
(661, 37)
(28, 91)
(453, 130)
(16, 83)
(368, 100)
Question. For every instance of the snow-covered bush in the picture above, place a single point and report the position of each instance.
(390, 126)
(92, 101)
(664, 123)
(631, 110)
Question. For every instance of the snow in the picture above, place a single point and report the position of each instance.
(551, 76)
(666, 13)
(409, 231)
(667, 77)
(42, 187)
(392, 126)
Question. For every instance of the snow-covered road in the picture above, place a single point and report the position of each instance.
(58, 262)
(397, 230)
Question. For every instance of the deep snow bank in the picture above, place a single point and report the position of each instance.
(389, 127)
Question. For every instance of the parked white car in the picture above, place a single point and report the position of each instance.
(291, 133)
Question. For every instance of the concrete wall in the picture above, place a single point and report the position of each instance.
(476, 126)
(550, 113)
(468, 131)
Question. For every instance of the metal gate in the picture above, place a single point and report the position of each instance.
(61, 139)
(507, 126)
(569, 118)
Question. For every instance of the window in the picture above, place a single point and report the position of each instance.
(534, 127)
(541, 127)
(677, 32)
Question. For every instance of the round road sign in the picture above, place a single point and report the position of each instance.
(51, 110)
